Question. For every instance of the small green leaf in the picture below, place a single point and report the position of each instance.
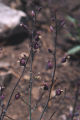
(71, 19)
(74, 50)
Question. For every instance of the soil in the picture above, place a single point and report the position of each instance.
(67, 75)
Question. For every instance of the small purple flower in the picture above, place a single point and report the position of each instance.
(51, 29)
(45, 86)
(50, 51)
(32, 13)
(49, 65)
(17, 96)
(2, 97)
(63, 60)
(22, 62)
(36, 45)
(58, 92)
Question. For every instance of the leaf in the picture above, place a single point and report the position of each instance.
(74, 50)
(71, 19)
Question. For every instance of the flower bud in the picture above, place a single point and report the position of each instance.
(58, 92)
(50, 51)
(51, 29)
(33, 13)
(49, 65)
(45, 86)
(17, 96)
(22, 62)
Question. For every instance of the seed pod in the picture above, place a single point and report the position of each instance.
(51, 29)
(22, 62)
(17, 96)
(58, 92)
(45, 86)
(49, 65)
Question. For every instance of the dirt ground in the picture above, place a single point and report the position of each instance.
(67, 75)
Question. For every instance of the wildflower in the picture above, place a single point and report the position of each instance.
(45, 86)
(22, 61)
(50, 51)
(51, 28)
(17, 96)
(49, 65)
(33, 13)
(58, 92)
(2, 97)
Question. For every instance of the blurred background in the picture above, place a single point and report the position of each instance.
(14, 41)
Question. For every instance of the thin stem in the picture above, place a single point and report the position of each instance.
(8, 103)
(52, 115)
(30, 96)
(32, 58)
(53, 73)
(9, 117)
(75, 102)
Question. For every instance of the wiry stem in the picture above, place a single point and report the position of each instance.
(53, 73)
(8, 103)
(30, 96)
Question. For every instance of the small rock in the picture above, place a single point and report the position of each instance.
(5, 78)
(36, 92)
(9, 19)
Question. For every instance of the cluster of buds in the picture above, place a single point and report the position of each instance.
(23, 59)
(36, 42)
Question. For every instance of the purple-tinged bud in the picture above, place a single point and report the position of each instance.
(39, 9)
(49, 65)
(37, 37)
(50, 51)
(58, 92)
(63, 60)
(53, 19)
(17, 96)
(62, 23)
(2, 97)
(22, 62)
(33, 13)
(45, 86)
(36, 45)
(51, 29)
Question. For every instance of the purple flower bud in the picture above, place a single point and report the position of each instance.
(2, 97)
(36, 45)
(37, 37)
(17, 96)
(51, 29)
(33, 13)
(50, 51)
(58, 92)
(63, 60)
(45, 86)
(49, 65)
(22, 62)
